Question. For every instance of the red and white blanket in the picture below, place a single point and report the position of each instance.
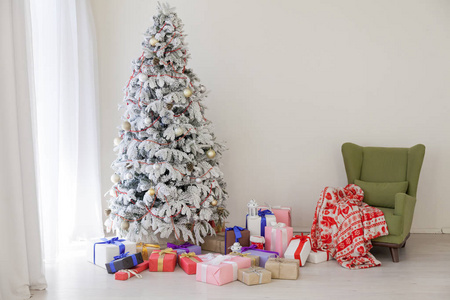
(344, 226)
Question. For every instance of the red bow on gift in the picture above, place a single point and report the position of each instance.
(303, 240)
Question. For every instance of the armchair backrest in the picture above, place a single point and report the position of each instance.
(383, 164)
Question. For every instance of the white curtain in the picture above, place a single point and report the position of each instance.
(67, 122)
(21, 267)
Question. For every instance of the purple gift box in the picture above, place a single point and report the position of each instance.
(185, 248)
(264, 255)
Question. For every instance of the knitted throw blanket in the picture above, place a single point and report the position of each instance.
(344, 226)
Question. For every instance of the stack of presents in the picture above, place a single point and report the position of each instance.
(266, 249)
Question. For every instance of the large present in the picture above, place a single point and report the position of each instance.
(317, 256)
(100, 252)
(258, 241)
(257, 224)
(252, 276)
(162, 260)
(277, 237)
(283, 268)
(186, 247)
(282, 213)
(188, 262)
(299, 248)
(146, 249)
(215, 243)
(236, 234)
(222, 269)
(254, 258)
(128, 273)
(264, 255)
(123, 261)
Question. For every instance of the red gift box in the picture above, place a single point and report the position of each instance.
(162, 260)
(125, 274)
(188, 262)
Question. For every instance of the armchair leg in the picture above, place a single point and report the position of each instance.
(394, 254)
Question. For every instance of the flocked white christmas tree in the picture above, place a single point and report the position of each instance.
(167, 180)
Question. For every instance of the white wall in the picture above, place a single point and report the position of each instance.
(292, 80)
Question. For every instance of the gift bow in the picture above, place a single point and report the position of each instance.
(144, 248)
(254, 247)
(218, 260)
(161, 254)
(121, 256)
(277, 225)
(129, 272)
(183, 246)
(191, 255)
(258, 272)
(262, 214)
(239, 254)
(237, 232)
(302, 240)
(115, 240)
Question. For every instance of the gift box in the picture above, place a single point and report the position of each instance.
(146, 249)
(317, 256)
(186, 247)
(282, 213)
(128, 273)
(252, 276)
(258, 241)
(277, 237)
(264, 255)
(222, 269)
(214, 243)
(124, 261)
(236, 234)
(102, 251)
(299, 248)
(254, 258)
(257, 224)
(162, 260)
(188, 262)
(283, 268)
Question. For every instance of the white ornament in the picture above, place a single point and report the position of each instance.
(115, 178)
(236, 247)
(142, 77)
(112, 193)
(147, 121)
(202, 88)
(117, 141)
(156, 167)
(198, 180)
(129, 176)
(179, 131)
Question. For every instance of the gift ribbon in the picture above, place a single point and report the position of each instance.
(144, 248)
(255, 248)
(214, 262)
(115, 241)
(275, 227)
(327, 252)
(129, 272)
(253, 258)
(192, 256)
(161, 254)
(237, 232)
(257, 272)
(262, 214)
(121, 256)
(303, 239)
(182, 247)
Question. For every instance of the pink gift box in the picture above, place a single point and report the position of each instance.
(282, 213)
(222, 269)
(277, 237)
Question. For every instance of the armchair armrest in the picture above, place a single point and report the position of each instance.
(404, 206)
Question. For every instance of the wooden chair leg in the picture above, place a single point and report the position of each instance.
(404, 244)
(394, 254)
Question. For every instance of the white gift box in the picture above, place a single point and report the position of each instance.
(104, 253)
(318, 256)
(254, 224)
(299, 248)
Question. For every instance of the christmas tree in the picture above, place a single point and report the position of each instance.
(167, 179)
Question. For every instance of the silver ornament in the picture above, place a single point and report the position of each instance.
(156, 167)
(179, 131)
(202, 88)
(117, 141)
(198, 180)
(129, 176)
(142, 77)
(147, 121)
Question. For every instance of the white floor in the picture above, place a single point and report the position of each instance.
(423, 273)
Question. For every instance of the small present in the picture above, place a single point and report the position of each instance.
(252, 276)
(146, 249)
(264, 255)
(277, 237)
(102, 251)
(283, 268)
(124, 261)
(299, 248)
(186, 247)
(236, 234)
(188, 262)
(257, 224)
(254, 258)
(222, 269)
(282, 213)
(215, 243)
(162, 260)
(258, 241)
(317, 256)
(128, 273)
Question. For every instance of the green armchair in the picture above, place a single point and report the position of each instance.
(389, 179)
